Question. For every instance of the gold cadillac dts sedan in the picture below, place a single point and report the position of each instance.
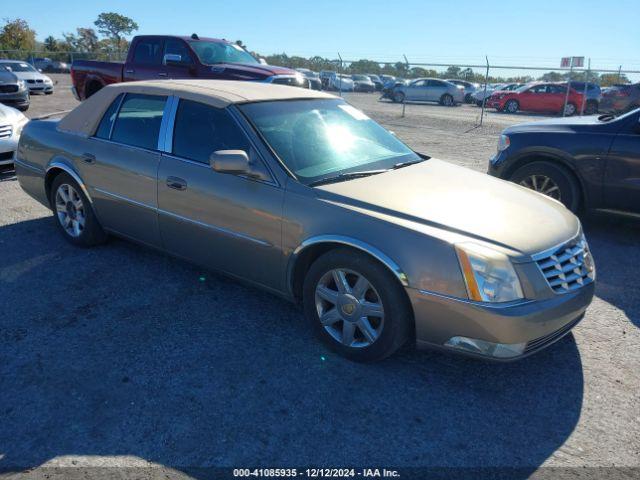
(302, 194)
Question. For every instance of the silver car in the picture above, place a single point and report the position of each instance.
(11, 124)
(298, 192)
(429, 90)
(36, 81)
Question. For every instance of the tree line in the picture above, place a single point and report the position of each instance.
(108, 40)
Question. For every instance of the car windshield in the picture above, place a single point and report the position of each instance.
(361, 77)
(19, 67)
(318, 139)
(523, 88)
(211, 53)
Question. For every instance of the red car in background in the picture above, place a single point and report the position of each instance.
(537, 97)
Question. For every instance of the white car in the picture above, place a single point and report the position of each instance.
(11, 124)
(35, 80)
(343, 83)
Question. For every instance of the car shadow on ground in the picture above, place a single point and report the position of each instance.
(615, 244)
(122, 351)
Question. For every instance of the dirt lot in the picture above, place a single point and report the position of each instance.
(123, 356)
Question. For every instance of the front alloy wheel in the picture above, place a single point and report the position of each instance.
(349, 308)
(544, 185)
(356, 306)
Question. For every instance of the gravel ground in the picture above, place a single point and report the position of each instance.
(123, 356)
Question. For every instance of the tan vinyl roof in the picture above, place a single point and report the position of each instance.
(84, 119)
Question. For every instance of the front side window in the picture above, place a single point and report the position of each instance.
(139, 119)
(202, 129)
(317, 139)
(148, 51)
(173, 46)
(109, 117)
(435, 83)
(211, 53)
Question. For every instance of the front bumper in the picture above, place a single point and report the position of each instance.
(40, 88)
(535, 323)
(19, 98)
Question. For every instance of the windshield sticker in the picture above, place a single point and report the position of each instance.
(354, 112)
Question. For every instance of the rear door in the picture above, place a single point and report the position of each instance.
(122, 164)
(622, 177)
(554, 98)
(146, 62)
(435, 90)
(225, 222)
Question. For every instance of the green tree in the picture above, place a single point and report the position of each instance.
(552, 77)
(87, 40)
(16, 35)
(452, 72)
(608, 79)
(51, 44)
(365, 66)
(115, 26)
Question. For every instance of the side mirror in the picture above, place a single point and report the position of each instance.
(235, 162)
(262, 61)
(172, 59)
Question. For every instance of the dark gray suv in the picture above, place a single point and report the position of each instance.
(13, 91)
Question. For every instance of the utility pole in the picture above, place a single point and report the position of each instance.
(484, 96)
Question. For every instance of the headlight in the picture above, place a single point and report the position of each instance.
(22, 84)
(503, 142)
(47, 80)
(20, 125)
(488, 274)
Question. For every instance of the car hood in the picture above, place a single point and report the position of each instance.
(567, 124)
(29, 75)
(9, 115)
(438, 196)
(252, 71)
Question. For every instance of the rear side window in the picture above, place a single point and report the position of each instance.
(435, 83)
(138, 123)
(104, 129)
(148, 51)
(201, 130)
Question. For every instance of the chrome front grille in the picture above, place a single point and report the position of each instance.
(568, 267)
(5, 131)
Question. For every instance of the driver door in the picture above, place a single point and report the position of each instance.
(223, 221)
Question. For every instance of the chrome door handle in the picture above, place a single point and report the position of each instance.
(129, 71)
(162, 74)
(88, 158)
(176, 183)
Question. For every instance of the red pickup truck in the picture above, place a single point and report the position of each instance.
(167, 56)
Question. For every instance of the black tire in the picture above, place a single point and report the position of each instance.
(478, 103)
(512, 106)
(23, 108)
(398, 97)
(398, 314)
(48, 93)
(570, 110)
(568, 187)
(447, 100)
(92, 233)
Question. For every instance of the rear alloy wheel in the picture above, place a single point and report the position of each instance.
(551, 180)
(446, 100)
(398, 97)
(512, 106)
(356, 306)
(74, 213)
(570, 109)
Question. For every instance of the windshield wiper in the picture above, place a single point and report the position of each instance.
(347, 176)
(606, 117)
(406, 164)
